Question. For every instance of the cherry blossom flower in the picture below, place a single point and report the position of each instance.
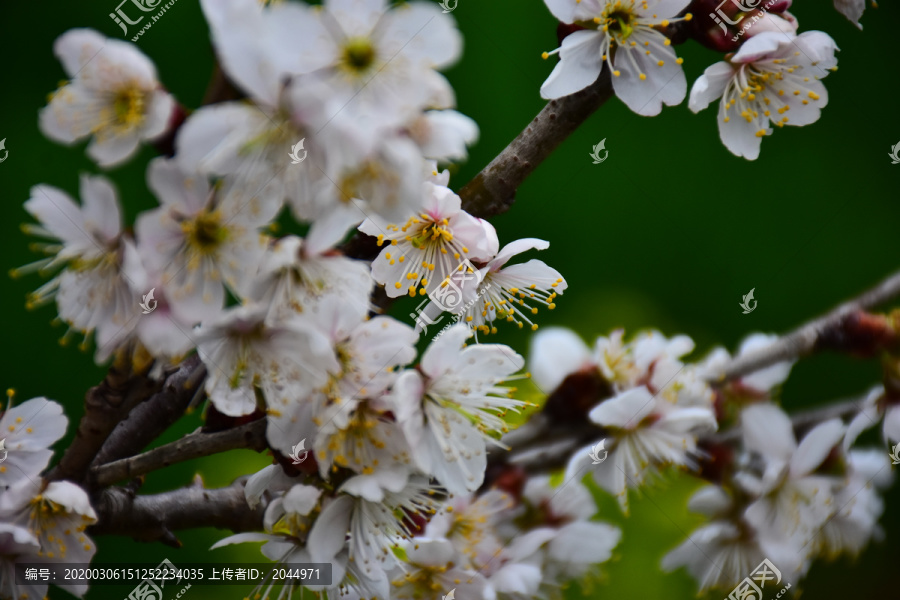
(792, 500)
(18, 545)
(449, 410)
(298, 275)
(875, 408)
(512, 292)
(93, 292)
(56, 517)
(470, 524)
(113, 97)
(761, 381)
(287, 358)
(771, 74)
(434, 566)
(649, 432)
(431, 245)
(646, 72)
(201, 238)
(29, 430)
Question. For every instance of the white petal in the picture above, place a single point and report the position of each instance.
(624, 411)
(554, 354)
(815, 447)
(580, 62)
(710, 85)
(768, 431)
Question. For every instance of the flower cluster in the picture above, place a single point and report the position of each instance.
(38, 522)
(773, 70)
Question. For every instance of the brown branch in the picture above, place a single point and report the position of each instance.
(493, 190)
(823, 332)
(105, 405)
(251, 436)
(154, 517)
(150, 419)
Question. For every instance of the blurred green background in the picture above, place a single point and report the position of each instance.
(669, 232)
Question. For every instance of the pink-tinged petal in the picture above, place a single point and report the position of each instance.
(76, 48)
(624, 411)
(100, 207)
(767, 430)
(556, 353)
(710, 86)
(819, 48)
(579, 65)
(815, 447)
(775, 24)
(441, 202)
(759, 47)
(111, 150)
(477, 235)
(515, 248)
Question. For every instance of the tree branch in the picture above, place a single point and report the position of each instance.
(197, 445)
(493, 190)
(105, 406)
(828, 331)
(154, 517)
(151, 418)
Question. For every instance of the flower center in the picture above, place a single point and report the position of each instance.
(620, 22)
(359, 55)
(128, 105)
(205, 232)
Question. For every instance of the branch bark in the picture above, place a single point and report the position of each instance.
(814, 335)
(493, 190)
(197, 445)
(105, 406)
(154, 517)
(150, 419)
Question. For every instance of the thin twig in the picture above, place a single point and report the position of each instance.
(105, 405)
(810, 336)
(151, 418)
(197, 445)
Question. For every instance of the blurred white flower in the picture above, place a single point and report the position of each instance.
(771, 74)
(200, 239)
(92, 293)
(113, 96)
(646, 72)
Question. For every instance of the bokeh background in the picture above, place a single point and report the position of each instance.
(669, 232)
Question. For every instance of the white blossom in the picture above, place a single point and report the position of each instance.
(113, 97)
(774, 77)
(646, 72)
